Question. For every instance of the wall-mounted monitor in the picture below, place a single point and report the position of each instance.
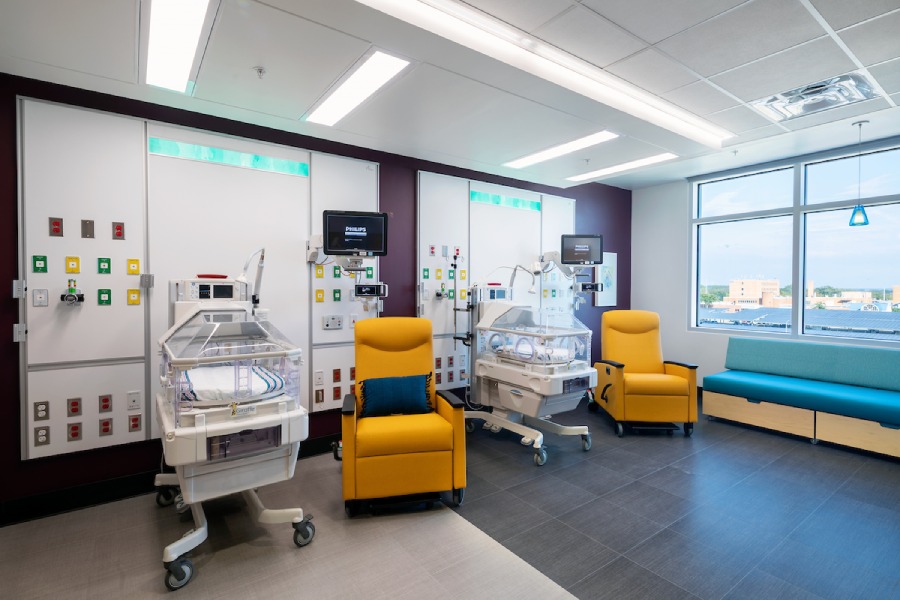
(582, 249)
(349, 233)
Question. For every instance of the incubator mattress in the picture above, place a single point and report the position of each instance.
(218, 385)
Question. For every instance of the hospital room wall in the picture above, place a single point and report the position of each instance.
(48, 485)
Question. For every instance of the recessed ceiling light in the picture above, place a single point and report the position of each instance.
(367, 79)
(175, 27)
(643, 162)
(562, 149)
(816, 97)
(477, 31)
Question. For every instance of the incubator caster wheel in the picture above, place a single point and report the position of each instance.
(166, 496)
(495, 428)
(179, 573)
(304, 532)
(586, 442)
(688, 429)
(620, 430)
(470, 426)
(540, 458)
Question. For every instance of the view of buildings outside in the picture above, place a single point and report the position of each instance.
(851, 275)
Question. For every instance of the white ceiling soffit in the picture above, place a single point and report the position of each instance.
(268, 62)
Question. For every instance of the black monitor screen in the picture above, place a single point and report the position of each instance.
(354, 233)
(582, 249)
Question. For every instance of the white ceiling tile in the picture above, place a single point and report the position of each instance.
(432, 108)
(654, 21)
(743, 35)
(302, 60)
(98, 37)
(700, 98)
(614, 152)
(887, 75)
(874, 41)
(652, 71)
(841, 13)
(837, 114)
(807, 63)
(755, 134)
(524, 14)
(585, 34)
(738, 119)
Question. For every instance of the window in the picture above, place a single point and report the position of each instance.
(775, 256)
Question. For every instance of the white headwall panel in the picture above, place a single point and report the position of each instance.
(82, 165)
(443, 226)
(503, 237)
(557, 218)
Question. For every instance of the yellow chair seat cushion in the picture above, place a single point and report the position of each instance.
(655, 384)
(401, 434)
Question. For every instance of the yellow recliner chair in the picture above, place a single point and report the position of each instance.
(400, 437)
(634, 384)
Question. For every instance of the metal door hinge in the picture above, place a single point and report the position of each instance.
(146, 281)
(20, 332)
(19, 288)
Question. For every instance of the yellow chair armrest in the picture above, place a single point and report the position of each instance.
(610, 391)
(348, 451)
(689, 372)
(449, 406)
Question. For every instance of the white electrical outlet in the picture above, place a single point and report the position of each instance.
(134, 400)
(319, 378)
(332, 322)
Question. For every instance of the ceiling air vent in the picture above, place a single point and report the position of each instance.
(816, 97)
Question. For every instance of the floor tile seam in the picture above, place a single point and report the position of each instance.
(622, 556)
(616, 556)
(525, 500)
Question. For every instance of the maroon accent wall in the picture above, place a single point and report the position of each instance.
(599, 209)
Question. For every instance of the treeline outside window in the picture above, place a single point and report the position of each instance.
(774, 252)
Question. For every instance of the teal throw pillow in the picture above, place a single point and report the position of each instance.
(395, 395)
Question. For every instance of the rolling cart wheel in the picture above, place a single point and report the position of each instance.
(304, 533)
(351, 507)
(540, 458)
(688, 429)
(620, 430)
(470, 426)
(458, 496)
(178, 574)
(166, 496)
(586, 442)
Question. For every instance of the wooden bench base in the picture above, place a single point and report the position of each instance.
(846, 431)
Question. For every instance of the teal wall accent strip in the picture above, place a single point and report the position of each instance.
(507, 201)
(231, 158)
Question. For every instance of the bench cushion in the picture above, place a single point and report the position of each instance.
(852, 365)
(881, 406)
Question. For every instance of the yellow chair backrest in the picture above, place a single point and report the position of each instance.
(631, 337)
(393, 347)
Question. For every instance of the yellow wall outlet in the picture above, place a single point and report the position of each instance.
(438, 273)
(134, 266)
(320, 271)
(320, 295)
(73, 264)
(134, 296)
(462, 274)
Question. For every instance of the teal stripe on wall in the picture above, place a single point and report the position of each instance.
(231, 158)
(507, 201)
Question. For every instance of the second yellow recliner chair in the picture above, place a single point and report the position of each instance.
(634, 384)
(400, 436)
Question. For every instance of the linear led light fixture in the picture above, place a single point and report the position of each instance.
(477, 31)
(175, 27)
(562, 149)
(367, 79)
(642, 162)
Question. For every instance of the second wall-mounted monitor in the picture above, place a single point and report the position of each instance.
(349, 233)
(582, 249)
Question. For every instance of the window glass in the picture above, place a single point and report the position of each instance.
(744, 274)
(852, 274)
(760, 191)
(868, 176)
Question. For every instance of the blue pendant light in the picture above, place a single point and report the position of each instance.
(858, 216)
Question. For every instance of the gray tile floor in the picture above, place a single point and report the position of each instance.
(732, 512)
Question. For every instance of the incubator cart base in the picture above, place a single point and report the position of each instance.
(518, 423)
(179, 568)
